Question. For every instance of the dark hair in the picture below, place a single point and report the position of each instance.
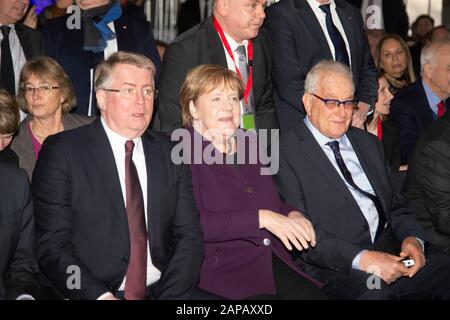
(9, 113)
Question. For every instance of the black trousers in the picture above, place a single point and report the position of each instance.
(431, 282)
(290, 285)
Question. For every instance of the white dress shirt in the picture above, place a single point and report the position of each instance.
(320, 15)
(118, 146)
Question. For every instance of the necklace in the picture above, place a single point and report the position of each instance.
(40, 136)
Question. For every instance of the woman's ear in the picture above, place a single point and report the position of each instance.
(193, 110)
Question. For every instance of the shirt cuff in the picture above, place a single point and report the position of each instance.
(355, 263)
(422, 243)
(104, 295)
(25, 297)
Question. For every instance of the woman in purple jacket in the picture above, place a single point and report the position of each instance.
(248, 231)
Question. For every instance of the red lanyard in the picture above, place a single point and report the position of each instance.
(379, 129)
(248, 86)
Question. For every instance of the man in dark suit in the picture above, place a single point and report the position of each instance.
(335, 174)
(301, 38)
(126, 226)
(427, 187)
(18, 266)
(418, 105)
(23, 43)
(203, 45)
(78, 54)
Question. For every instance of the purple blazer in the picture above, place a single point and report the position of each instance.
(238, 254)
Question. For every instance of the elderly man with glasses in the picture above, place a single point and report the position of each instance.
(367, 238)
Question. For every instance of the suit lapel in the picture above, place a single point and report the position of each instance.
(124, 39)
(307, 17)
(311, 148)
(155, 175)
(25, 42)
(370, 171)
(100, 149)
(216, 52)
(346, 19)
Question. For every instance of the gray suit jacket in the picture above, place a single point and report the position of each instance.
(23, 146)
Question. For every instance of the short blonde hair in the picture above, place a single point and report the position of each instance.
(203, 79)
(105, 68)
(9, 113)
(48, 69)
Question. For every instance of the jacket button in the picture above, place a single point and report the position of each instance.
(125, 260)
(266, 242)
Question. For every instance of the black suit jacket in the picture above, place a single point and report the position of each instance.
(66, 46)
(81, 217)
(427, 185)
(18, 266)
(31, 41)
(308, 181)
(411, 110)
(202, 45)
(390, 140)
(299, 43)
(394, 16)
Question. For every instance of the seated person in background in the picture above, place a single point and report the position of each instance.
(335, 174)
(427, 185)
(109, 200)
(9, 124)
(417, 106)
(385, 129)
(247, 230)
(46, 95)
(18, 266)
(393, 59)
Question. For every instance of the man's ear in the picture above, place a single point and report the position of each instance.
(222, 7)
(307, 103)
(101, 98)
(427, 70)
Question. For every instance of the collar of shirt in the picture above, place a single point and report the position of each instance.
(118, 142)
(233, 44)
(314, 4)
(320, 137)
(13, 29)
(432, 98)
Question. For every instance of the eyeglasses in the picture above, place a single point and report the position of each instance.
(333, 104)
(129, 93)
(41, 89)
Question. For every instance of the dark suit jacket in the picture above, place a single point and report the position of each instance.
(18, 266)
(390, 140)
(81, 217)
(411, 110)
(238, 254)
(66, 47)
(394, 16)
(299, 43)
(9, 156)
(202, 45)
(308, 180)
(188, 15)
(23, 145)
(427, 185)
(31, 41)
